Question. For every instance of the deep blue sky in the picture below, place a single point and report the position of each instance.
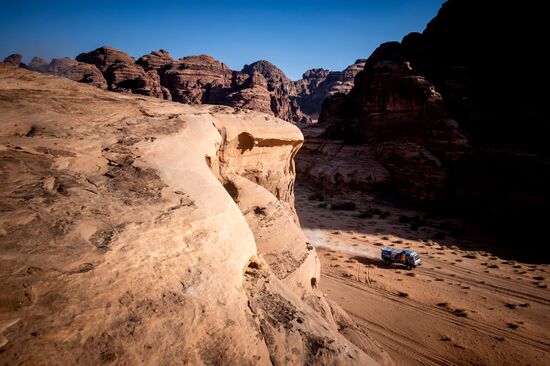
(295, 35)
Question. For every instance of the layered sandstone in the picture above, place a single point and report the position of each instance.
(122, 73)
(317, 84)
(199, 79)
(395, 119)
(451, 121)
(77, 71)
(140, 231)
(155, 60)
(281, 89)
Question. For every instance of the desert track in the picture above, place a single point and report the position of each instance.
(460, 307)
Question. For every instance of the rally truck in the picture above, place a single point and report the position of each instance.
(406, 257)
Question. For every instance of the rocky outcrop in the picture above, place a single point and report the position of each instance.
(155, 60)
(400, 118)
(251, 93)
(14, 60)
(437, 111)
(136, 230)
(38, 64)
(336, 166)
(122, 73)
(78, 71)
(281, 89)
(318, 84)
(197, 79)
(277, 81)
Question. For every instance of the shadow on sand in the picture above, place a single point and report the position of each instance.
(399, 226)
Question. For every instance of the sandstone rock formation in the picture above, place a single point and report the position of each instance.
(317, 84)
(193, 79)
(197, 79)
(155, 60)
(122, 73)
(441, 117)
(335, 166)
(396, 114)
(282, 91)
(250, 93)
(14, 60)
(77, 71)
(38, 64)
(140, 231)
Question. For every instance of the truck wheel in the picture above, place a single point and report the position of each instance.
(409, 267)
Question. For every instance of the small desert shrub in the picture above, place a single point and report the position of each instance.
(510, 306)
(512, 326)
(445, 338)
(317, 196)
(524, 305)
(343, 205)
(385, 215)
(493, 266)
(470, 256)
(460, 313)
(322, 205)
(402, 294)
(538, 278)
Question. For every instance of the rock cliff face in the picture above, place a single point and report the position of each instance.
(141, 231)
(440, 117)
(281, 89)
(317, 84)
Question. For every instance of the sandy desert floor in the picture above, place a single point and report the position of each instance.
(464, 305)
